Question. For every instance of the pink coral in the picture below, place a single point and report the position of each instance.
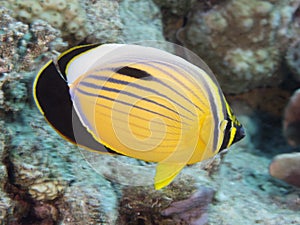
(192, 210)
(286, 167)
(291, 121)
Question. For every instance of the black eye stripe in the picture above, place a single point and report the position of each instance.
(226, 133)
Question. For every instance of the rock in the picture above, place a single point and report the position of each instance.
(179, 8)
(142, 21)
(6, 203)
(20, 43)
(144, 205)
(45, 180)
(286, 167)
(12, 32)
(291, 120)
(104, 23)
(273, 102)
(192, 210)
(293, 59)
(77, 20)
(243, 42)
(69, 16)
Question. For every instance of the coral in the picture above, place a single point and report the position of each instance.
(272, 103)
(21, 44)
(175, 13)
(46, 190)
(85, 204)
(77, 20)
(242, 180)
(173, 16)
(48, 180)
(291, 120)
(35, 175)
(179, 8)
(69, 17)
(46, 213)
(13, 92)
(6, 204)
(104, 23)
(293, 59)
(243, 41)
(11, 34)
(192, 210)
(142, 21)
(119, 170)
(45, 180)
(144, 205)
(286, 167)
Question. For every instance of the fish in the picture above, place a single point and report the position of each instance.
(138, 101)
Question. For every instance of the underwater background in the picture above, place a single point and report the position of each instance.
(253, 47)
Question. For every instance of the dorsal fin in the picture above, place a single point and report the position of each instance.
(65, 58)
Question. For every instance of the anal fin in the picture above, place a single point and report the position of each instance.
(166, 173)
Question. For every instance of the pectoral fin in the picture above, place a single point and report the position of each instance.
(165, 173)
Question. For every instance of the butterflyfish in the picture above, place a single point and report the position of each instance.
(137, 101)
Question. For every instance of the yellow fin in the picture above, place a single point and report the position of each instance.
(165, 173)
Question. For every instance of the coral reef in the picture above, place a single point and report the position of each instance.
(293, 59)
(142, 21)
(173, 16)
(13, 92)
(192, 210)
(273, 102)
(69, 17)
(291, 120)
(20, 44)
(6, 204)
(50, 181)
(104, 23)
(247, 193)
(10, 37)
(44, 180)
(143, 205)
(242, 41)
(179, 8)
(93, 21)
(286, 167)
(92, 201)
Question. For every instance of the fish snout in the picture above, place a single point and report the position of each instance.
(240, 134)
